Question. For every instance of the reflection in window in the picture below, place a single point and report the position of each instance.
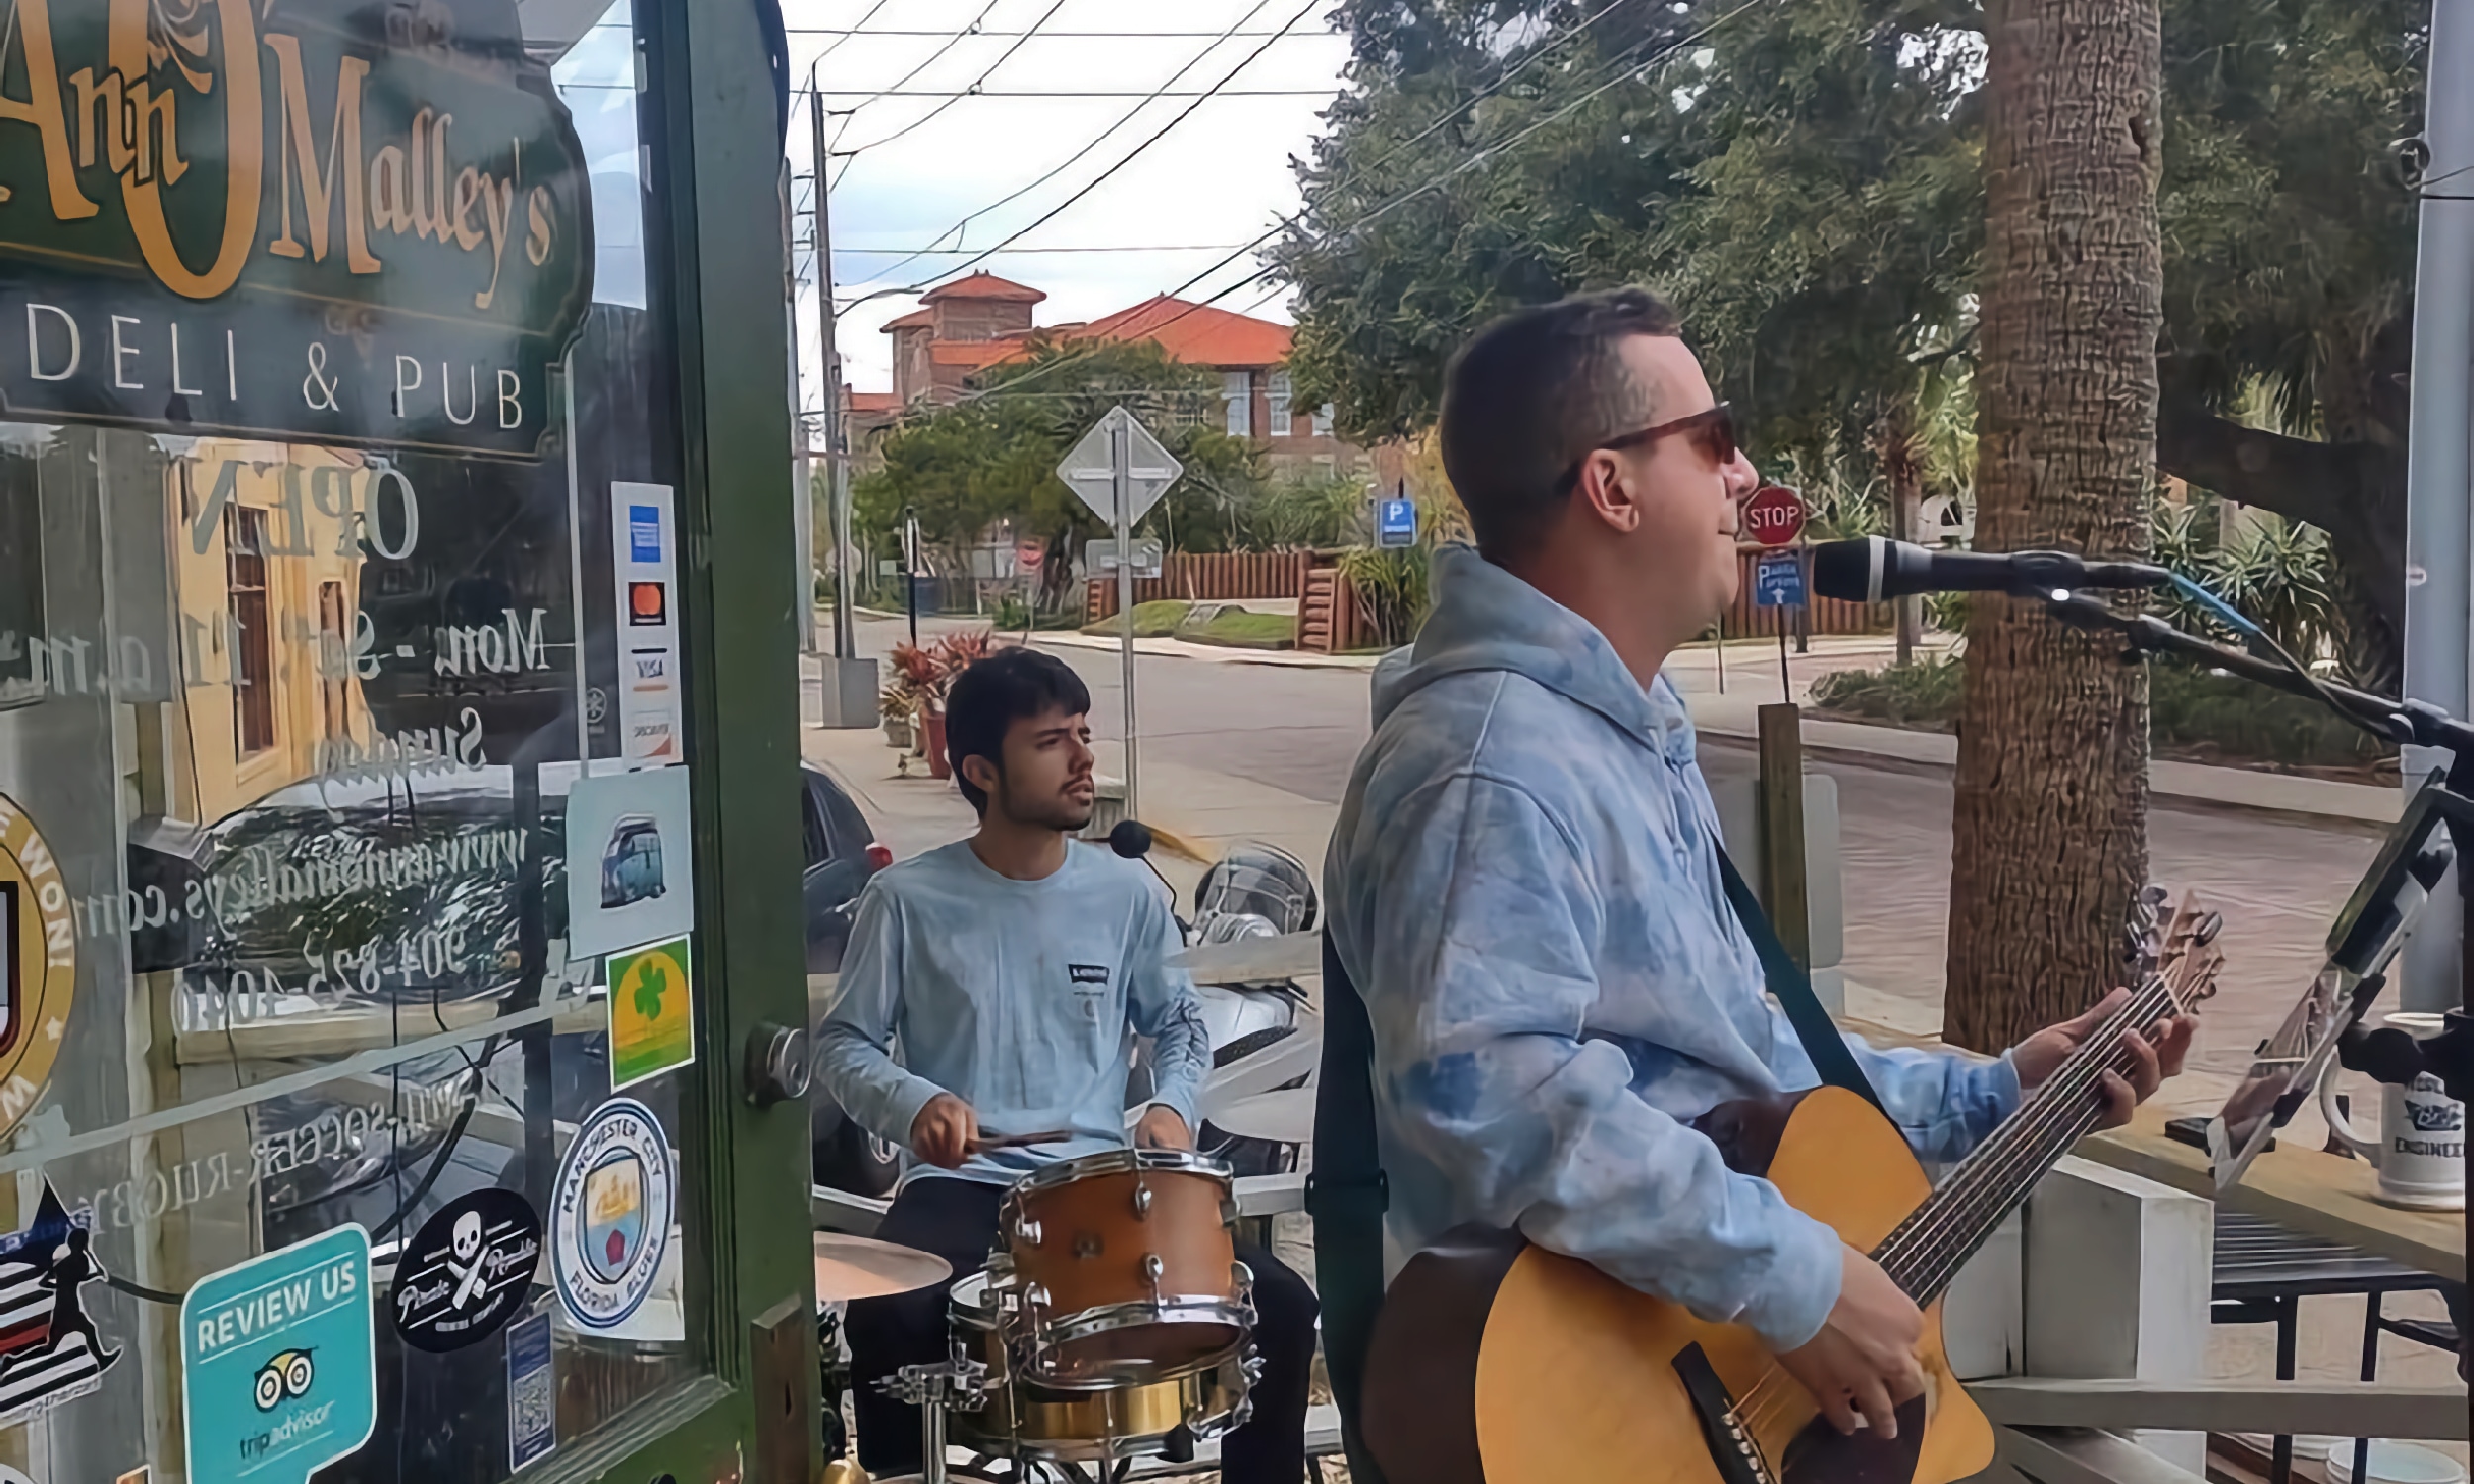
(252, 635)
(334, 658)
(21, 578)
(1279, 428)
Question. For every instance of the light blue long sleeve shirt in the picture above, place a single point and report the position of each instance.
(1525, 891)
(1022, 998)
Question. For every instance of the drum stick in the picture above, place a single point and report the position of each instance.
(986, 1142)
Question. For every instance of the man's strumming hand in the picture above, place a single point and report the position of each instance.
(1862, 1363)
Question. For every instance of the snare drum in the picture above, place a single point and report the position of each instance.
(1022, 1419)
(1125, 1268)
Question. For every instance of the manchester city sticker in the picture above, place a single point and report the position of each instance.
(610, 1214)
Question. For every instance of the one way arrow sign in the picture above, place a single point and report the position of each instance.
(1091, 470)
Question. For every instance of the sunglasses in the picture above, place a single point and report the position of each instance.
(1713, 430)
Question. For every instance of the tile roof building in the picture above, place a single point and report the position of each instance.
(981, 320)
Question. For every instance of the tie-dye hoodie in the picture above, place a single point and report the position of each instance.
(1524, 888)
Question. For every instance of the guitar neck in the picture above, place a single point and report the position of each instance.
(1932, 1244)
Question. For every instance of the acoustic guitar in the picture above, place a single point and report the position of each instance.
(1498, 1362)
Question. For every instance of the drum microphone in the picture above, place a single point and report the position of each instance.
(1871, 569)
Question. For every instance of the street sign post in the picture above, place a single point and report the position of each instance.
(1773, 515)
(1779, 580)
(1395, 522)
(1119, 469)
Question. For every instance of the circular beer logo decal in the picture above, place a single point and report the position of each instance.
(610, 1214)
(38, 962)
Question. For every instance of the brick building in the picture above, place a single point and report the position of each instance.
(980, 319)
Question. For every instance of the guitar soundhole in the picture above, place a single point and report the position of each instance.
(1822, 1454)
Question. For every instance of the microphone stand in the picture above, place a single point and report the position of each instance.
(2387, 1056)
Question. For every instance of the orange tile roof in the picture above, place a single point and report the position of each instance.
(875, 402)
(972, 354)
(1199, 334)
(983, 285)
(918, 319)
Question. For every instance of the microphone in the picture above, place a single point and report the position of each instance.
(1131, 839)
(1871, 569)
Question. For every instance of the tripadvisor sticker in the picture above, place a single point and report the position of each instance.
(279, 1362)
(652, 1012)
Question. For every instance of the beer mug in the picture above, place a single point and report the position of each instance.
(2420, 1150)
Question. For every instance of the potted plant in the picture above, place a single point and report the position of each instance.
(946, 661)
(915, 672)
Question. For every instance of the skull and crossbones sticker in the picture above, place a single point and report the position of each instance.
(466, 1271)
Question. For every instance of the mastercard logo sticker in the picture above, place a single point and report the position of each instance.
(648, 605)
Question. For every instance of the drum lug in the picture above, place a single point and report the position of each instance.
(1153, 1271)
(1026, 1231)
(1142, 1201)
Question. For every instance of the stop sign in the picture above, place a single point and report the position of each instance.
(1773, 515)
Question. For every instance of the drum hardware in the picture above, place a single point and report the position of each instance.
(955, 1385)
(1142, 1200)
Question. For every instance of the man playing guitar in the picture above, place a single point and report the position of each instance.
(1011, 972)
(1525, 883)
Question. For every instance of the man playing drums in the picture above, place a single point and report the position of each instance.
(1013, 969)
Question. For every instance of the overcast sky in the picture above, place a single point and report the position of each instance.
(1218, 179)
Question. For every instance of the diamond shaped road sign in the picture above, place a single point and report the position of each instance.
(1090, 469)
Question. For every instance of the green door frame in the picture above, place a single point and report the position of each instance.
(718, 156)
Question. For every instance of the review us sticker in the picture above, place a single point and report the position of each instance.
(279, 1362)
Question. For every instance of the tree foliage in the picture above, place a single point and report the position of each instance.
(994, 456)
(1803, 179)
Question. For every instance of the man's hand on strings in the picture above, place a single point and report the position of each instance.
(2152, 1057)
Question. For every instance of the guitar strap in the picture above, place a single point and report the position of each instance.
(1347, 1194)
(1794, 990)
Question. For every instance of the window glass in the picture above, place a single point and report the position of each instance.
(1237, 387)
(345, 878)
(1279, 428)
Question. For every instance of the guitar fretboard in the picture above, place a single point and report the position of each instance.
(1928, 1249)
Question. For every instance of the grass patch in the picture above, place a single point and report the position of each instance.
(1244, 630)
(1157, 620)
(2191, 712)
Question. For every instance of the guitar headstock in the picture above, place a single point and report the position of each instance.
(2177, 947)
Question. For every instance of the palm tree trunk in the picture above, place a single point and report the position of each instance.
(2049, 830)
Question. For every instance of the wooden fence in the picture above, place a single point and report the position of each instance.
(1829, 615)
(1209, 574)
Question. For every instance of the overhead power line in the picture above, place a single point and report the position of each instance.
(854, 30)
(981, 81)
(1096, 141)
(1073, 93)
(933, 57)
(1113, 36)
(1625, 66)
(1131, 155)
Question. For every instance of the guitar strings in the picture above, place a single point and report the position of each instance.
(1938, 1234)
(2025, 1144)
(2056, 1105)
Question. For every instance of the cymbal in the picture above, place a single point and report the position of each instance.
(860, 1267)
(1285, 1117)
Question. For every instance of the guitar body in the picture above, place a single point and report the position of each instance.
(1498, 1362)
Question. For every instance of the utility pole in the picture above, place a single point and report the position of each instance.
(2440, 599)
(849, 681)
(836, 436)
